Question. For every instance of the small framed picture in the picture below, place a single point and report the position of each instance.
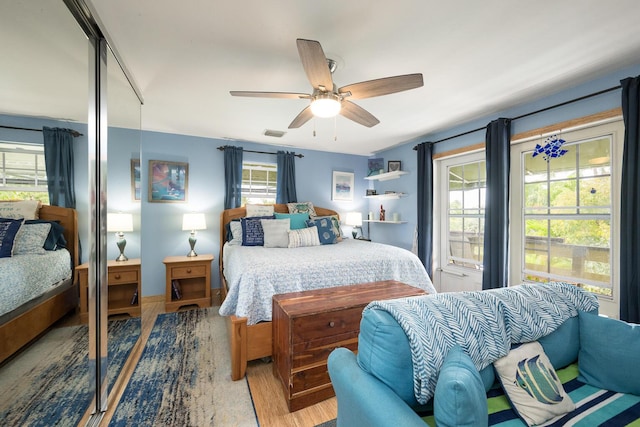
(375, 166)
(394, 165)
(371, 192)
(135, 180)
(168, 181)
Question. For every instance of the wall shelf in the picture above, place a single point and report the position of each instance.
(384, 222)
(386, 196)
(386, 176)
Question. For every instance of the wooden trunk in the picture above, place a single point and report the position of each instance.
(309, 325)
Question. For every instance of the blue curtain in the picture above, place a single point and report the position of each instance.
(232, 177)
(496, 214)
(58, 159)
(425, 205)
(286, 183)
(630, 203)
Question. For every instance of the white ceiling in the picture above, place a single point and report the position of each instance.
(477, 58)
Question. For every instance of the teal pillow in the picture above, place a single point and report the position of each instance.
(609, 353)
(562, 345)
(460, 399)
(297, 221)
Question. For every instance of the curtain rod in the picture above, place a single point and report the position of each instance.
(73, 132)
(532, 113)
(260, 152)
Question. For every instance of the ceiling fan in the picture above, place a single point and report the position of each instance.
(326, 99)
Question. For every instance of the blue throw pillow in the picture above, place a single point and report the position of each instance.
(609, 353)
(252, 233)
(326, 232)
(460, 399)
(8, 230)
(297, 221)
(562, 345)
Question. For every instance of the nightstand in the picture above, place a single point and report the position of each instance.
(188, 281)
(124, 288)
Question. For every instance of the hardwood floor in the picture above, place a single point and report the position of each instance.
(266, 391)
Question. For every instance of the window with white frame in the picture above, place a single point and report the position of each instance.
(22, 172)
(259, 183)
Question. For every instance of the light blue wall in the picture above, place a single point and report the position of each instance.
(402, 235)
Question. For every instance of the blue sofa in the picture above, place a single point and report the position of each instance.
(376, 387)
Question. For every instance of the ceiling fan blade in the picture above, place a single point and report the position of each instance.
(286, 95)
(315, 64)
(358, 114)
(302, 118)
(384, 86)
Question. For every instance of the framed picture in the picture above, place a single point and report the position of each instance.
(342, 187)
(168, 181)
(394, 165)
(376, 166)
(135, 180)
(371, 192)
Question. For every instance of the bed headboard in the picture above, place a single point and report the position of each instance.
(68, 218)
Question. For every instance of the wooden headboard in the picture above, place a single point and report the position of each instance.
(68, 218)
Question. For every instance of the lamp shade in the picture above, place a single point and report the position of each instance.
(354, 219)
(193, 221)
(119, 222)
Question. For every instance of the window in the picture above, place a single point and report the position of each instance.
(22, 172)
(259, 181)
(566, 215)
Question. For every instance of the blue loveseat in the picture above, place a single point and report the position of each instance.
(376, 387)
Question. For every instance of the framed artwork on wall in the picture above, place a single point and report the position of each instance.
(394, 165)
(135, 180)
(168, 181)
(375, 166)
(342, 186)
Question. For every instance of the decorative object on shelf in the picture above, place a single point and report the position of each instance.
(396, 217)
(371, 192)
(119, 223)
(394, 165)
(354, 219)
(168, 181)
(342, 186)
(370, 217)
(135, 180)
(193, 222)
(376, 166)
(382, 211)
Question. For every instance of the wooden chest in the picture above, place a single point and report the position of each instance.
(308, 325)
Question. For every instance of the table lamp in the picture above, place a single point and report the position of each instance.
(193, 222)
(120, 222)
(354, 219)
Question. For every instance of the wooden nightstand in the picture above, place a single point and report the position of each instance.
(124, 288)
(192, 277)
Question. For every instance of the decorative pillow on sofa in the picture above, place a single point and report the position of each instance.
(25, 209)
(31, 238)
(252, 234)
(234, 236)
(336, 225)
(609, 353)
(259, 210)
(326, 232)
(460, 399)
(531, 384)
(304, 237)
(296, 220)
(302, 207)
(55, 238)
(276, 232)
(8, 230)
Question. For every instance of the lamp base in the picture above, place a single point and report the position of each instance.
(122, 257)
(121, 243)
(192, 243)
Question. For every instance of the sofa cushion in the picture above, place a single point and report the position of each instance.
(609, 353)
(460, 399)
(531, 384)
(562, 345)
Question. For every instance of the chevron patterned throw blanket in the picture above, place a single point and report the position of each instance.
(484, 323)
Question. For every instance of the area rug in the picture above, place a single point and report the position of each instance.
(183, 377)
(49, 382)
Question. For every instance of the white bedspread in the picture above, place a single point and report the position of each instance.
(25, 277)
(255, 273)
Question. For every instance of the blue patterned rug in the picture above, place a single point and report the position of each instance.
(48, 383)
(183, 377)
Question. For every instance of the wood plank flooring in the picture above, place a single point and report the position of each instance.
(266, 391)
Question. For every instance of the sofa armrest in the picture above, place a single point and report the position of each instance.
(362, 399)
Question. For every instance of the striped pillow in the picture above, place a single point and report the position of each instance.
(304, 237)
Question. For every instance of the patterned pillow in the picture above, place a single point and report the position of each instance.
(235, 233)
(8, 230)
(252, 234)
(31, 238)
(302, 207)
(55, 239)
(531, 383)
(336, 225)
(304, 237)
(326, 233)
(26, 209)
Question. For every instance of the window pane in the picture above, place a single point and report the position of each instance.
(563, 194)
(536, 195)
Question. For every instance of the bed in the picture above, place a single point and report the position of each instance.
(29, 316)
(251, 275)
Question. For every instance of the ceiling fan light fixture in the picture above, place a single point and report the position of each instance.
(325, 105)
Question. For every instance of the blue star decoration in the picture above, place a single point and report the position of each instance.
(552, 148)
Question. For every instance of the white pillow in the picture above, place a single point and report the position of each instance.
(27, 209)
(276, 232)
(304, 237)
(259, 210)
(236, 233)
(30, 239)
